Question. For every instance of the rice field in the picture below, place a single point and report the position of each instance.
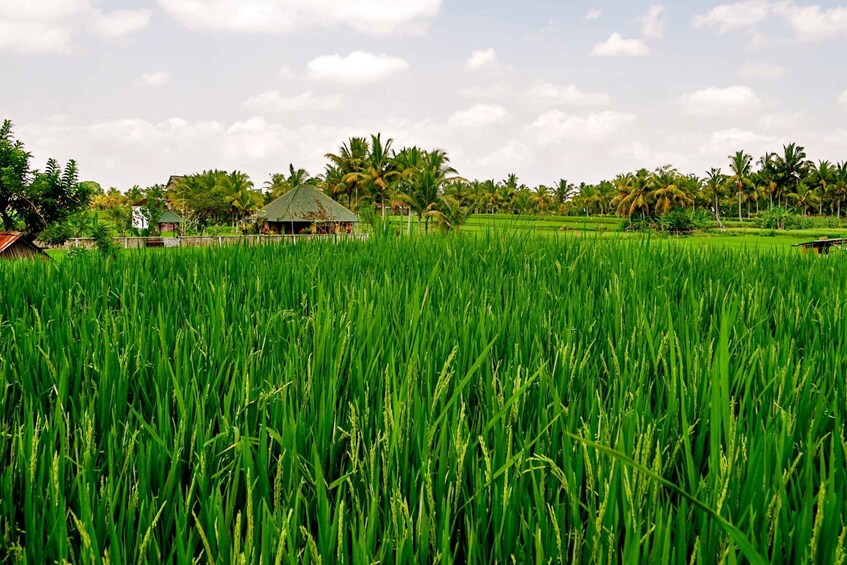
(487, 399)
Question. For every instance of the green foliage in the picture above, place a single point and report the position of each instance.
(32, 200)
(419, 400)
(683, 220)
(103, 239)
(779, 218)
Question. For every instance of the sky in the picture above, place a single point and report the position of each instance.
(138, 90)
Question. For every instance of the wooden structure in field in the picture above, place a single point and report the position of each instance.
(306, 210)
(823, 246)
(13, 245)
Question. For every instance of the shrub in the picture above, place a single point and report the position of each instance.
(103, 239)
(779, 218)
(683, 220)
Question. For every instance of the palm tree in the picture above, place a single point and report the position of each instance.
(820, 177)
(632, 193)
(740, 165)
(423, 181)
(350, 159)
(377, 171)
(791, 168)
(760, 189)
(276, 186)
(240, 195)
(542, 199)
(564, 191)
(805, 197)
(664, 190)
(714, 186)
(768, 175)
(839, 186)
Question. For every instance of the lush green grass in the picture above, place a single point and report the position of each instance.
(747, 237)
(479, 399)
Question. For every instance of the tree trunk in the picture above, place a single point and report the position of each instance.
(717, 210)
(739, 207)
(410, 221)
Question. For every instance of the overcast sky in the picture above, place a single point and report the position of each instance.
(137, 90)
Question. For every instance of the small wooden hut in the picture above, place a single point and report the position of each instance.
(823, 246)
(13, 245)
(170, 222)
(306, 210)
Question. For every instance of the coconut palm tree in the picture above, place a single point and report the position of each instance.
(820, 177)
(791, 168)
(564, 191)
(740, 165)
(377, 171)
(805, 197)
(768, 175)
(350, 159)
(839, 186)
(632, 193)
(542, 198)
(713, 189)
(241, 196)
(422, 185)
(665, 192)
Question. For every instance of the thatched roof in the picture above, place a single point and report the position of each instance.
(305, 204)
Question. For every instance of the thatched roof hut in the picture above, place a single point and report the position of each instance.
(303, 208)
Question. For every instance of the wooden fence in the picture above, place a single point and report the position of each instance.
(205, 241)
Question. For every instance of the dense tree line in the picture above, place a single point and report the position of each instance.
(370, 174)
(787, 179)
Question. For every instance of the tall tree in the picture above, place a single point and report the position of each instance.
(350, 159)
(820, 178)
(377, 172)
(791, 168)
(714, 185)
(632, 193)
(34, 201)
(741, 166)
(665, 191)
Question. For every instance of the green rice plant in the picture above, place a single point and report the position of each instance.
(459, 398)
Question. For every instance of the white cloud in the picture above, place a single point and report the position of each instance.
(52, 26)
(380, 17)
(355, 69)
(617, 46)
(730, 101)
(783, 122)
(813, 23)
(275, 101)
(158, 78)
(567, 95)
(34, 37)
(121, 23)
(651, 25)
(724, 142)
(728, 17)
(481, 60)
(556, 126)
(513, 155)
(594, 14)
(762, 71)
(842, 101)
(479, 115)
